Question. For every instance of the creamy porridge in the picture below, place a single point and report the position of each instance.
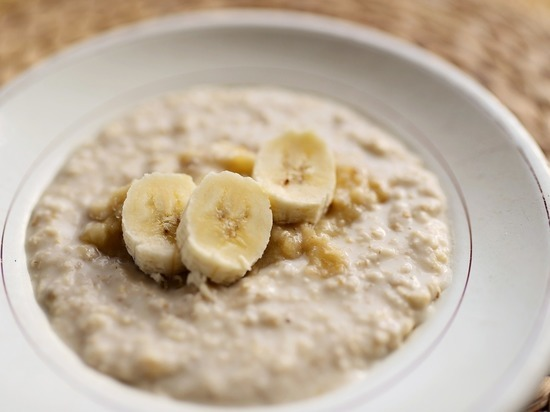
(323, 303)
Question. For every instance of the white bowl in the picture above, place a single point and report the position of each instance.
(487, 343)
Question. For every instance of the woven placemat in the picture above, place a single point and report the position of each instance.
(504, 44)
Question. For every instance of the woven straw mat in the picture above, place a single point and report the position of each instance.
(504, 44)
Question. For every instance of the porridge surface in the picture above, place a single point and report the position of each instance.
(321, 305)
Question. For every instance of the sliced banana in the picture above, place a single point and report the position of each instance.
(225, 227)
(150, 216)
(217, 156)
(298, 172)
(233, 157)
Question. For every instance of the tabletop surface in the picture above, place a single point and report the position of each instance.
(503, 44)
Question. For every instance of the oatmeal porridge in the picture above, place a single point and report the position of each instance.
(325, 300)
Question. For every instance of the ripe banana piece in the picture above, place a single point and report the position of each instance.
(225, 227)
(298, 172)
(150, 216)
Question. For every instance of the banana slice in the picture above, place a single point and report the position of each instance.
(298, 172)
(225, 227)
(233, 157)
(150, 216)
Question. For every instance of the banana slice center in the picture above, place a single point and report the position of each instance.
(166, 217)
(298, 171)
(232, 220)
